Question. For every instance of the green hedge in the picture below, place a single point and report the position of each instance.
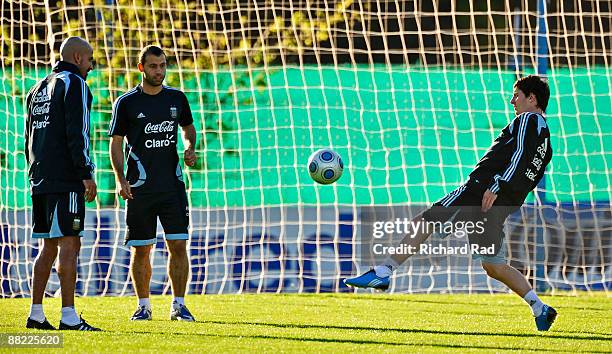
(406, 135)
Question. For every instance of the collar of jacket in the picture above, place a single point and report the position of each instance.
(66, 66)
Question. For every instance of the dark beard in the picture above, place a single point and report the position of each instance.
(154, 84)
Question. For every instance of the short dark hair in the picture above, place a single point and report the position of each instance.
(536, 85)
(150, 49)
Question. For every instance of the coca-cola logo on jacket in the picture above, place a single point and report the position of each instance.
(41, 109)
(163, 127)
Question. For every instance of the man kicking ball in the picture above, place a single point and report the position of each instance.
(498, 186)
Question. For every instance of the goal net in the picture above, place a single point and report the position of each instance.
(409, 93)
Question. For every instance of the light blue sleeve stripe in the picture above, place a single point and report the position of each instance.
(64, 76)
(448, 196)
(516, 157)
(114, 117)
(495, 187)
(520, 141)
(116, 110)
(456, 195)
(85, 130)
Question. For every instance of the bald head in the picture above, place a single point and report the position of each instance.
(72, 46)
(77, 51)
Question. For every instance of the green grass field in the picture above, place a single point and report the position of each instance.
(332, 322)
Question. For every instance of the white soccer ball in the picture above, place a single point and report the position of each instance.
(325, 166)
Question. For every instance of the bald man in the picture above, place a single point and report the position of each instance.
(61, 176)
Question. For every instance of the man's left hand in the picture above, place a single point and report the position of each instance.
(487, 200)
(190, 157)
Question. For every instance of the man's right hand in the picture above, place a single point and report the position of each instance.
(125, 191)
(91, 190)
